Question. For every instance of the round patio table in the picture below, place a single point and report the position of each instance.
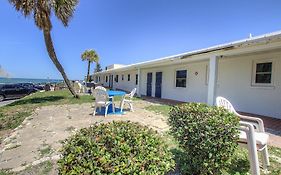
(112, 94)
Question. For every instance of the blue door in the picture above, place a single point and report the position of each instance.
(158, 84)
(110, 81)
(149, 84)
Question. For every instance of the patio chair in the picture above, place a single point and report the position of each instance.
(102, 100)
(127, 98)
(251, 134)
(77, 87)
(100, 87)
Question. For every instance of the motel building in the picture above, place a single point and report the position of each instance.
(246, 72)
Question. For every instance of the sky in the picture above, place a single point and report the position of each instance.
(129, 31)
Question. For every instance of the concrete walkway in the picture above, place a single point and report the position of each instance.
(6, 102)
(40, 136)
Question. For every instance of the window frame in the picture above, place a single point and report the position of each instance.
(175, 77)
(254, 73)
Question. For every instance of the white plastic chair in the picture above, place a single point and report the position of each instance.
(128, 98)
(251, 134)
(103, 88)
(100, 87)
(102, 100)
(77, 87)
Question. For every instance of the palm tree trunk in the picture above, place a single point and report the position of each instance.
(88, 73)
(53, 56)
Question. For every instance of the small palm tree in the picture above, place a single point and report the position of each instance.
(41, 11)
(90, 56)
(98, 68)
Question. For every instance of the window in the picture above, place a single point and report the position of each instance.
(181, 78)
(129, 77)
(122, 77)
(137, 79)
(262, 73)
(99, 79)
(106, 78)
(9, 86)
(116, 78)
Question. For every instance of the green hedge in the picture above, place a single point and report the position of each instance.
(207, 135)
(115, 148)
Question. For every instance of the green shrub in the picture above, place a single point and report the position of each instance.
(115, 148)
(208, 136)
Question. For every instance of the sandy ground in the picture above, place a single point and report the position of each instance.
(40, 136)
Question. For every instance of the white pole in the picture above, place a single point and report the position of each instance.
(213, 75)
(139, 81)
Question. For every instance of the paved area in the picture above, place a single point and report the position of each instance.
(40, 136)
(6, 102)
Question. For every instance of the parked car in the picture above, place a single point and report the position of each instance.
(31, 85)
(8, 91)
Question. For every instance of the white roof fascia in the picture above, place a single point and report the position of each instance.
(252, 40)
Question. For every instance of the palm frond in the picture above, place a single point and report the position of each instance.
(24, 6)
(64, 9)
(42, 9)
(90, 55)
(42, 13)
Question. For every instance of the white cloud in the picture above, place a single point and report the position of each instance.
(3, 73)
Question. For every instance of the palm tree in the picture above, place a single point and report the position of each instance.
(90, 56)
(41, 10)
(98, 68)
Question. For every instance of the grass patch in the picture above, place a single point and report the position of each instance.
(13, 147)
(70, 129)
(159, 109)
(5, 172)
(239, 164)
(12, 115)
(43, 168)
(45, 150)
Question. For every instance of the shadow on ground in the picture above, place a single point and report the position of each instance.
(37, 100)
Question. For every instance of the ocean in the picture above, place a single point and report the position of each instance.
(28, 80)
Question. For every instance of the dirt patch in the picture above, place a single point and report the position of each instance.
(40, 135)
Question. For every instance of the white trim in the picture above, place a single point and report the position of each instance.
(266, 38)
(254, 67)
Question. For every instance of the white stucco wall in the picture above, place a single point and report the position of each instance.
(196, 89)
(125, 84)
(234, 83)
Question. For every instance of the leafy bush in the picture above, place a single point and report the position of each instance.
(115, 148)
(208, 136)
